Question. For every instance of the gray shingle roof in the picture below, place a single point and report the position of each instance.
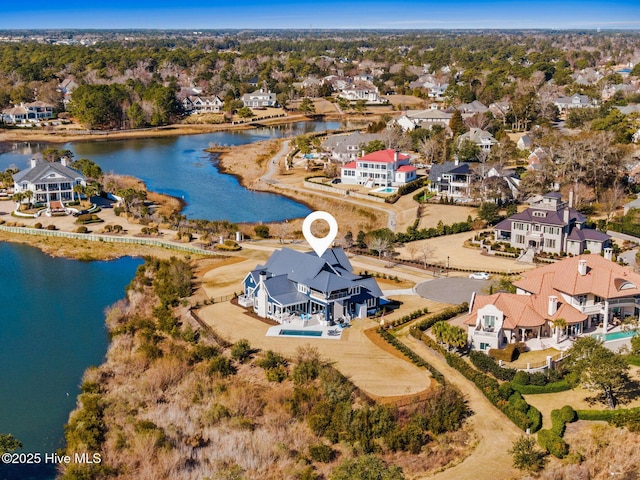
(588, 234)
(448, 167)
(44, 169)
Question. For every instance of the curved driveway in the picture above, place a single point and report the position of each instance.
(452, 290)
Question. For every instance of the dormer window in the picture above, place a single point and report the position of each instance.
(623, 284)
(540, 214)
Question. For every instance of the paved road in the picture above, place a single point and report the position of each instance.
(451, 290)
(273, 164)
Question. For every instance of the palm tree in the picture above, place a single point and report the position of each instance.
(558, 323)
(78, 190)
(28, 194)
(18, 197)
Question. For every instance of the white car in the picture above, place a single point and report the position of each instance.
(479, 276)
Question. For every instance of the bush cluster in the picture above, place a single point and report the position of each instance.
(88, 218)
(438, 317)
(509, 353)
(441, 229)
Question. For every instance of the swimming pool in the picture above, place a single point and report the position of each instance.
(609, 337)
(301, 333)
(385, 190)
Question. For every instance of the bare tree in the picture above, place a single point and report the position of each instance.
(412, 249)
(611, 199)
(380, 245)
(426, 252)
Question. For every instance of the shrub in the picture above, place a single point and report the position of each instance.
(321, 453)
(221, 367)
(553, 443)
(51, 227)
(261, 231)
(485, 363)
(82, 229)
(241, 350)
(38, 226)
(508, 354)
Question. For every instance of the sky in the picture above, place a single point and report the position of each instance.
(302, 14)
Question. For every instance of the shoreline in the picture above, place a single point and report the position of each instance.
(15, 135)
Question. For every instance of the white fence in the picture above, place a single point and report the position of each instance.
(106, 238)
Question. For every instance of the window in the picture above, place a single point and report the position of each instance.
(484, 346)
(519, 238)
(489, 321)
(550, 243)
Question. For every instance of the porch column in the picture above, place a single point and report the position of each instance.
(605, 317)
(539, 332)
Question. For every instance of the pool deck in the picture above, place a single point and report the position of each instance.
(305, 326)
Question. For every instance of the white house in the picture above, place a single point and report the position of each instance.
(574, 101)
(423, 119)
(33, 112)
(260, 98)
(362, 91)
(50, 182)
(200, 104)
(383, 168)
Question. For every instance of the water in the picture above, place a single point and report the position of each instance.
(302, 333)
(179, 166)
(608, 337)
(51, 329)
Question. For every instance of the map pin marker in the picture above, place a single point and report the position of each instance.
(320, 245)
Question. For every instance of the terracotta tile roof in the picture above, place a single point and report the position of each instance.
(604, 278)
(406, 168)
(525, 311)
(350, 165)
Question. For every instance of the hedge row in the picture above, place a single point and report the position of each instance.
(438, 317)
(503, 396)
(486, 364)
(411, 355)
(629, 418)
(555, 387)
(407, 318)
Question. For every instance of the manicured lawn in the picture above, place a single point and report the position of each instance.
(533, 357)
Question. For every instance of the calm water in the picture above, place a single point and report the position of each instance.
(51, 329)
(179, 166)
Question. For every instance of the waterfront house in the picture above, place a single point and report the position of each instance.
(260, 99)
(200, 104)
(346, 148)
(51, 183)
(552, 226)
(32, 112)
(362, 91)
(554, 302)
(294, 285)
(451, 179)
(383, 168)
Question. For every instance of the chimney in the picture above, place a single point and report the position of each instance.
(571, 199)
(263, 276)
(63, 161)
(395, 156)
(582, 267)
(34, 162)
(566, 216)
(553, 305)
(608, 253)
(456, 161)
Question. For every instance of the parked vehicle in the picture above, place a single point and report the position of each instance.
(479, 276)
